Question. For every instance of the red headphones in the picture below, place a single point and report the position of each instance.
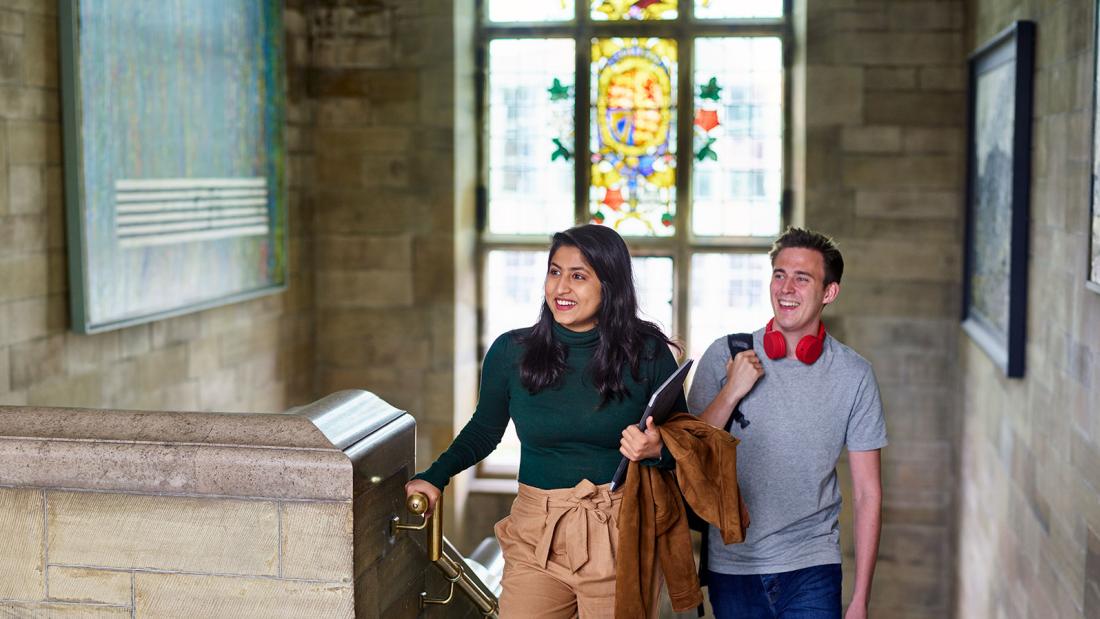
(808, 350)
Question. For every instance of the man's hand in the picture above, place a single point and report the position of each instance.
(742, 372)
(637, 445)
(856, 610)
(427, 489)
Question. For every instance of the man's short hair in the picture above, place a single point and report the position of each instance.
(809, 239)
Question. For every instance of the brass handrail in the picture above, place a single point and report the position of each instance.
(445, 557)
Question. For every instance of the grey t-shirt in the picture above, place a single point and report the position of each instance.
(800, 417)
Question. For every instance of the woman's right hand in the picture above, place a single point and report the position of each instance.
(427, 489)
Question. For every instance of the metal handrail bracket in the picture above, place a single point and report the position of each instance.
(446, 558)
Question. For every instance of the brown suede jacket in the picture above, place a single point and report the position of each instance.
(653, 523)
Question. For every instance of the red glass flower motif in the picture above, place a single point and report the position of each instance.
(613, 198)
(706, 119)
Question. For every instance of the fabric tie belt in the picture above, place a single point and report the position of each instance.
(587, 506)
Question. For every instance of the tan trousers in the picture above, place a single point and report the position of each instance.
(559, 553)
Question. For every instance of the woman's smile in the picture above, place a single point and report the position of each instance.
(573, 291)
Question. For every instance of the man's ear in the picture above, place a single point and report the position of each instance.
(832, 291)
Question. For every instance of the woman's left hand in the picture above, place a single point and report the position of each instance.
(637, 445)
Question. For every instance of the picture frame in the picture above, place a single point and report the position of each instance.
(174, 158)
(998, 186)
(1092, 262)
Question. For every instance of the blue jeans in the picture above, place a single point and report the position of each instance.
(809, 593)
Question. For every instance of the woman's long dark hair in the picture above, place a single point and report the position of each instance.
(622, 333)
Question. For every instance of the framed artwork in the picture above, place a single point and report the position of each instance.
(1092, 269)
(174, 157)
(997, 195)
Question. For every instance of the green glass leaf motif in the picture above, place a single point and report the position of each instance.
(560, 151)
(706, 152)
(708, 91)
(558, 91)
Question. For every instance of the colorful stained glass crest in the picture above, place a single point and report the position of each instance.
(623, 10)
(633, 186)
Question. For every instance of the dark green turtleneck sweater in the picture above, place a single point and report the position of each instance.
(564, 436)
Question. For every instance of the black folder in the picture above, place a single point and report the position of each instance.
(659, 408)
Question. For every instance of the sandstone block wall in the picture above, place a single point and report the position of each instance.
(882, 114)
(391, 90)
(1029, 538)
(382, 90)
(110, 554)
(174, 514)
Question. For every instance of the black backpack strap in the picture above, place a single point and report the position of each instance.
(738, 343)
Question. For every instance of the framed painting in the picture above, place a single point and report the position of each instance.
(174, 159)
(1092, 269)
(997, 195)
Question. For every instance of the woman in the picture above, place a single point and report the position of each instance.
(575, 384)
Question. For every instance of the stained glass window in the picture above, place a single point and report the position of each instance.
(621, 10)
(633, 134)
(737, 169)
(531, 142)
(530, 10)
(718, 9)
(697, 270)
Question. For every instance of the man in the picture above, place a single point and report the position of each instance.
(804, 397)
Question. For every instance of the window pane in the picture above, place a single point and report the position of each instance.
(512, 292)
(531, 141)
(512, 300)
(716, 9)
(738, 173)
(619, 10)
(729, 294)
(530, 10)
(653, 281)
(504, 460)
(633, 129)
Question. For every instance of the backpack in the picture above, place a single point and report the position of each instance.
(738, 343)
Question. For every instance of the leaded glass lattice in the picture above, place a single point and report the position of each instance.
(633, 135)
(729, 293)
(737, 9)
(530, 10)
(632, 10)
(513, 293)
(653, 277)
(531, 141)
(738, 136)
(512, 290)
